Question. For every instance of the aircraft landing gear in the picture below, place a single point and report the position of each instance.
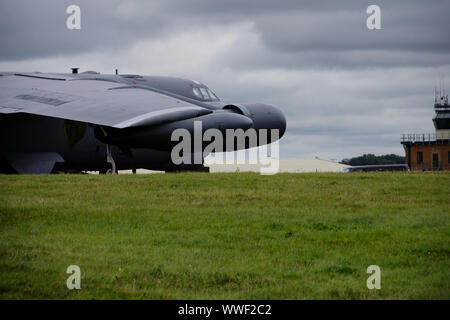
(110, 160)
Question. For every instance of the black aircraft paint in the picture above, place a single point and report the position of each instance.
(65, 122)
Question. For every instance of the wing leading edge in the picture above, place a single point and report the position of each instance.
(91, 101)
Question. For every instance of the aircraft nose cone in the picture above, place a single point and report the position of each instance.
(279, 120)
(266, 116)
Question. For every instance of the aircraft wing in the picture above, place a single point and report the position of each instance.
(98, 102)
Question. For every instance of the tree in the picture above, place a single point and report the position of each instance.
(368, 159)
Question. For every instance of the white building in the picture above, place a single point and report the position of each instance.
(286, 165)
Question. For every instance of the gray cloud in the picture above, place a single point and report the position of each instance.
(322, 32)
(31, 29)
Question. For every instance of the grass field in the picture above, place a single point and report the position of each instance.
(225, 236)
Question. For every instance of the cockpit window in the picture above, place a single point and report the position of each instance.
(204, 94)
(212, 95)
(197, 92)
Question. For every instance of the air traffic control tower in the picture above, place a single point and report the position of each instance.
(431, 151)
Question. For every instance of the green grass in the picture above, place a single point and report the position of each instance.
(225, 236)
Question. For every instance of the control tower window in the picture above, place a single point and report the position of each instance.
(420, 157)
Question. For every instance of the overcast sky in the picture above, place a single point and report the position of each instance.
(344, 89)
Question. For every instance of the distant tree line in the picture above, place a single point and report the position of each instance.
(367, 159)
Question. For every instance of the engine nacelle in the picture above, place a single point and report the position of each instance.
(264, 116)
(239, 108)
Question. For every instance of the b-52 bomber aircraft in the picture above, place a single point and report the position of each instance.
(74, 122)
